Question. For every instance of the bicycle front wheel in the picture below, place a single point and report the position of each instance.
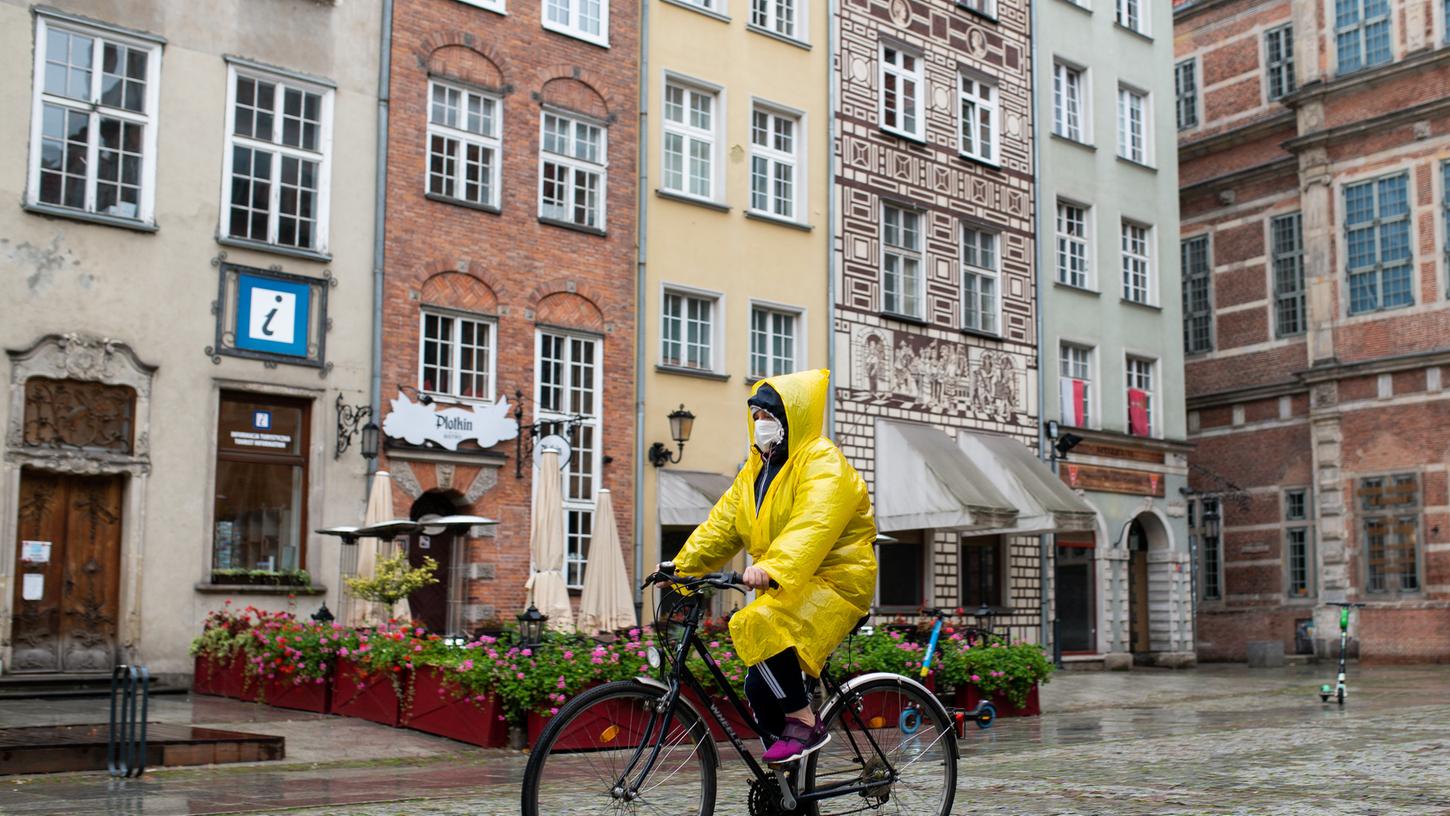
(581, 759)
(895, 738)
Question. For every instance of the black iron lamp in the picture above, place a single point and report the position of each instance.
(371, 436)
(349, 420)
(1061, 442)
(531, 625)
(682, 423)
(323, 615)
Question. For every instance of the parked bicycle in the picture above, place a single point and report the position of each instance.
(643, 746)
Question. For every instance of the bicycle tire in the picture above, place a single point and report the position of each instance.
(907, 705)
(575, 739)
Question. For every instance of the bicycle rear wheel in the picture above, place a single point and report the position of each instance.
(915, 737)
(587, 746)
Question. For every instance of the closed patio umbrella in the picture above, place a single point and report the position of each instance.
(547, 590)
(607, 603)
(380, 508)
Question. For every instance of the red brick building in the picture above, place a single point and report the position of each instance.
(510, 270)
(1314, 152)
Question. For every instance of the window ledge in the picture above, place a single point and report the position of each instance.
(1136, 33)
(599, 42)
(756, 215)
(692, 372)
(1080, 7)
(724, 18)
(208, 588)
(1149, 306)
(1074, 142)
(1081, 289)
(901, 318)
(459, 202)
(1150, 168)
(977, 13)
(570, 225)
(689, 199)
(908, 137)
(776, 35)
(90, 217)
(291, 252)
(985, 335)
(970, 159)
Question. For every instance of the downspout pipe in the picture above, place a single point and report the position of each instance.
(832, 165)
(380, 218)
(642, 239)
(1044, 553)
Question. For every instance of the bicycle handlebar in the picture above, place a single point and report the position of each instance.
(720, 580)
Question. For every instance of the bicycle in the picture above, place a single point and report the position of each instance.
(642, 746)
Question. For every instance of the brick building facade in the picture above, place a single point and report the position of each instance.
(1314, 218)
(510, 275)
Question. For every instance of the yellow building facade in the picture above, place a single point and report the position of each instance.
(736, 184)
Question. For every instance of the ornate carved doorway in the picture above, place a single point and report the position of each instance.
(68, 572)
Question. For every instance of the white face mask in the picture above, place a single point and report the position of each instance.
(767, 433)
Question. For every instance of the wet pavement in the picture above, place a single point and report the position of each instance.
(1214, 740)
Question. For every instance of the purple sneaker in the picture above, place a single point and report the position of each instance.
(796, 740)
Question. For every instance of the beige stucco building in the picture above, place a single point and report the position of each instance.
(735, 186)
(186, 255)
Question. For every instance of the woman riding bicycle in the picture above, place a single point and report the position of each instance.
(803, 514)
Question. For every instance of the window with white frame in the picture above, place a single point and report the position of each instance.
(1286, 244)
(901, 281)
(491, 5)
(981, 289)
(463, 144)
(585, 19)
(1137, 262)
(689, 136)
(1132, 14)
(1185, 89)
(1298, 543)
(1390, 510)
(774, 145)
(687, 330)
(456, 355)
(1197, 301)
(1279, 60)
(1073, 254)
(773, 341)
(1069, 102)
(984, 7)
(1133, 125)
(1205, 525)
(1377, 239)
(1076, 384)
(778, 16)
(573, 158)
(1361, 33)
(1445, 200)
(1139, 371)
(977, 119)
(901, 91)
(278, 160)
(93, 132)
(570, 382)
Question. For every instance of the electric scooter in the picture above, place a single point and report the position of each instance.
(1339, 690)
(984, 712)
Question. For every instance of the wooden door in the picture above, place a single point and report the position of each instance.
(429, 605)
(68, 573)
(1138, 602)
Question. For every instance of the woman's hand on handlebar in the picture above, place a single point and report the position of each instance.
(756, 578)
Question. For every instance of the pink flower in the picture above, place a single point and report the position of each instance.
(520, 675)
(976, 678)
(596, 660)
(568, 655)
(553, 710)
(467, 664)
(528, 653)
(643, 668)
(418, 647)
(714, 644)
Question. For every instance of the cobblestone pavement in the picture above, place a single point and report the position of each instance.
(1215, 740)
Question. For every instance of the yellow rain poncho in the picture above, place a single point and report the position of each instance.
(814, 534)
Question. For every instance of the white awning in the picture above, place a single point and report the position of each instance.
(1045, 504)
(686, 497)
(924, 481)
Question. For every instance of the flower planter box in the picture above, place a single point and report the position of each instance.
(309, 695)
(366, 695)
(233, 680)
(968, 697)
(207, 677)
(607, 726)
(445, 709)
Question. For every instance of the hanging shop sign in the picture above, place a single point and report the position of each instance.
(1113, 480)
(270, 315)
(417, 424)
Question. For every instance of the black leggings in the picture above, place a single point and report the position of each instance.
(774, 687)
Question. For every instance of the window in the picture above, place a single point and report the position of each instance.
(1279, 60)
(778, 16)
(463, 144)
(1445, 202)
(1069, 103)
(1076, 394)
(261, 483)
(1131, 15)
(1185, 88)
(572, 164)
(491, 5)
(977, 126)
(1207, 537)
(570, 382)
(457, 356)
(1137, 270)
(901, 281)
(984, 7)
(1377, 238)
(688, 331)
(93, 131)
(1287, 245)
(772, 341)
(901, 571)
(901, 92)
(1073, 266)
(585, 19)
(1133, 125)
(1140, 396)
(1298, 558)
(1197, 302)
(689, 140)
(278, 161)
(981, 294)
(1390, 522)
(774, 140)
(1361, 33)
(981, 572)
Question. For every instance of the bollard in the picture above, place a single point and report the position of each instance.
(126, 732)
